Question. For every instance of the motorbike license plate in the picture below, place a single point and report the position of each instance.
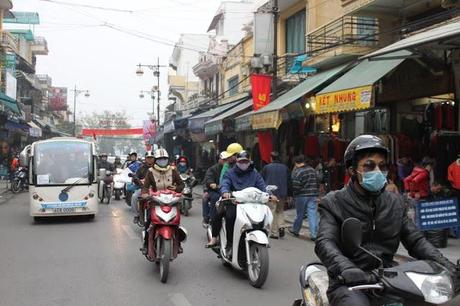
(64, 210)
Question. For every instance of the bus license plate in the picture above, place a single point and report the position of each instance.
(64, 210)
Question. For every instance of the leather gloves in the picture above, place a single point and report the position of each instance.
(356, 276)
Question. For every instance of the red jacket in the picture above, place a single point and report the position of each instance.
(418, 181)
(453, 175)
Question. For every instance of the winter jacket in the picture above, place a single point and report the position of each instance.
(161, 180)
(235, 180)
(104, 164)
(418, 181)
(384, 223)
(453, 175)
(304, 182)
(212, 176)
(278, 174)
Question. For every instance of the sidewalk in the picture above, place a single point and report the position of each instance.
(5, 193)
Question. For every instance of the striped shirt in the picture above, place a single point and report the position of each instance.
(304, 182)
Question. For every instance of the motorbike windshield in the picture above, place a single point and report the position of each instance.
(63, 163)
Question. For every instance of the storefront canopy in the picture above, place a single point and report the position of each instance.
(216, 125)
(34, 130)
(196, 123)
(446, 36)
(244, 122)
(353, 90)
(9, 103)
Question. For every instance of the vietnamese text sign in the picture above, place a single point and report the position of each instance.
(438, 214)
(57, 99)
(344, 100)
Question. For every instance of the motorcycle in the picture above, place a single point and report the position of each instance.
(250, 236)
(187, 193)
(416, 282)
(142, 206)
(20, 180)
(118, 184)
(105, 185)
(164, 233)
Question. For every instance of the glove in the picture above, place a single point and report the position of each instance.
(356, 276)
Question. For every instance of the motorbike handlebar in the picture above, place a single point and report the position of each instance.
(377, 286)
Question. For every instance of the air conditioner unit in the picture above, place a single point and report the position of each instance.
(267, 60)
(256, 62)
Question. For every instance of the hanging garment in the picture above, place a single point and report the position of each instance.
(311, 146)
(450, 117)
(438, 113)
(430, 115)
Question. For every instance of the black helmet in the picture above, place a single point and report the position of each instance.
(363, 143)
(243, 155)
(133, 153)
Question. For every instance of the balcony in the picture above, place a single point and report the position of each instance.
(9, 42)
(39, 46)
(342, 40)
(207, 66)
(381, 8)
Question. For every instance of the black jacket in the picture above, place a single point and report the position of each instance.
(212, 176)
(384, 227)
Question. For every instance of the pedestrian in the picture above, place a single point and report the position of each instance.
(417, 184)
(305, 192)
(276, 173)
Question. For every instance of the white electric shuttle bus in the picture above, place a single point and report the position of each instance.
(62, 176)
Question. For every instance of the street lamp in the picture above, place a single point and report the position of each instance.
(156, 73)
(151, 92)
(76, 92)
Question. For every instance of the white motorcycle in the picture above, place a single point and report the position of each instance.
(250, 235)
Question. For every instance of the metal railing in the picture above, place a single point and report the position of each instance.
(8, 41)
(347, 30)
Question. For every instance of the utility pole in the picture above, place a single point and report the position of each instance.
(158, 93)
(275, 12)
(76, 92)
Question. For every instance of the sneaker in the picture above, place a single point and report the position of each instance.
(282, 232)
(293, 233)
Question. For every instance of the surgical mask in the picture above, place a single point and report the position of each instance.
(183, 164)
(162, 162)
(243, 166)
(373, 181)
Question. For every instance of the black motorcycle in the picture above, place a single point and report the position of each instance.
(187, 193)
(20, 180)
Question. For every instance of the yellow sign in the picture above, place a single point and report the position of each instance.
(270, 120)
(345, 100)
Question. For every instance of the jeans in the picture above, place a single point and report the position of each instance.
(134, 200)
(213, 198)
(278, 216)
(230, 216)
(306, 204)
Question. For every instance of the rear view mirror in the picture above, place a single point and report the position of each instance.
(271, 188)
(352, 234)
(24, 157)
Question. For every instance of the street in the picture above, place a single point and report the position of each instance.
(78, 262)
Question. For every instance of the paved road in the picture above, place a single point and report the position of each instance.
(78, 262)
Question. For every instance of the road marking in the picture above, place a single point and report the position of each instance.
(180, 300)
(129, 232)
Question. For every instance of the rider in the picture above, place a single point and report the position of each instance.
(384, 222)
(211, 182)
(182, 165)
(104, 163)
(160, 177)
(140, 175)
(132, 163)
(230, 155)
(117, 164)
(242, 176)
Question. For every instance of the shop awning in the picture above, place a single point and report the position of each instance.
(353, 90)
(244, 122)
(216, 125)
(446, 36)
(168, 127)
(197, 122)
(9, 103)
(34, 130)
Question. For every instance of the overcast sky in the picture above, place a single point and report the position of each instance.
(103, 60)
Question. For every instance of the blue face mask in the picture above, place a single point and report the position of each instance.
(373, 181)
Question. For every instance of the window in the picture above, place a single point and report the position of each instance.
(295, 35)
(233, 85)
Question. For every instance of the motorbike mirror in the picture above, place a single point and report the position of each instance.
(24, 157)
(271, 188)
(352, 234)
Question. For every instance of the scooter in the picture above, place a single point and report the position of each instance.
(187, 193)
(164, 233)
(20, 180)
(417, 282)
(118, 184)
(105, 185)
(250, 235)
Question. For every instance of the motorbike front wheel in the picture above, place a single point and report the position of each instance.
(258, 269)
(165, 258)
(118, 194)
(107, 194)
(16, 185)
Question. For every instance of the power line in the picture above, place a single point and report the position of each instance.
(88, 6)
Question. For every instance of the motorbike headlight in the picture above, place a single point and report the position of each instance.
(436, 289)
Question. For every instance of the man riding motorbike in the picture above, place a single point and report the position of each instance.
(140, 175)
(160, 177)
(132, 163)
(117, 164)
(182, 165)
(104, 163)
(230, 155)
(211, 182)
(384, 223)
(242, 176)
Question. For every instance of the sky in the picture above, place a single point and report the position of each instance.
(84, 50)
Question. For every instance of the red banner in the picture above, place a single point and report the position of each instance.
(109, 132)
(261, 89)
(57, 99)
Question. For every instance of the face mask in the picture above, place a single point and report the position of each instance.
(183, 164)
(243, 166)
(373, 181)
(162, 163)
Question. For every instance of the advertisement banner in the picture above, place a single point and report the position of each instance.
(261, 89)
(57, 99)
(149, 130)
(344, 100)
(270, 120)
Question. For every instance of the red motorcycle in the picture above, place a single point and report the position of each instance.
(164, 233)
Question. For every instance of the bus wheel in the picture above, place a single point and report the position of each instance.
(91, 217)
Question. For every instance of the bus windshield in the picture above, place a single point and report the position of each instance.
(63, 163)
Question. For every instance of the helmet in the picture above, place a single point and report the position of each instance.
(243, 155)
(103, 155)
(223, 155)
(182, 159)
(132, 153)
(159, 153)
(149, 154)
(363, 143)
(233, 148)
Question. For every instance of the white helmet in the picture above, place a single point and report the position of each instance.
(160, 153)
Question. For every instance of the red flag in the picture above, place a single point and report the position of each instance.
(261, 89)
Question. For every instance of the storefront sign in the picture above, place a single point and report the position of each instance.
(438, 214)
(57, 99)
(345, 100)
(270, 120)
